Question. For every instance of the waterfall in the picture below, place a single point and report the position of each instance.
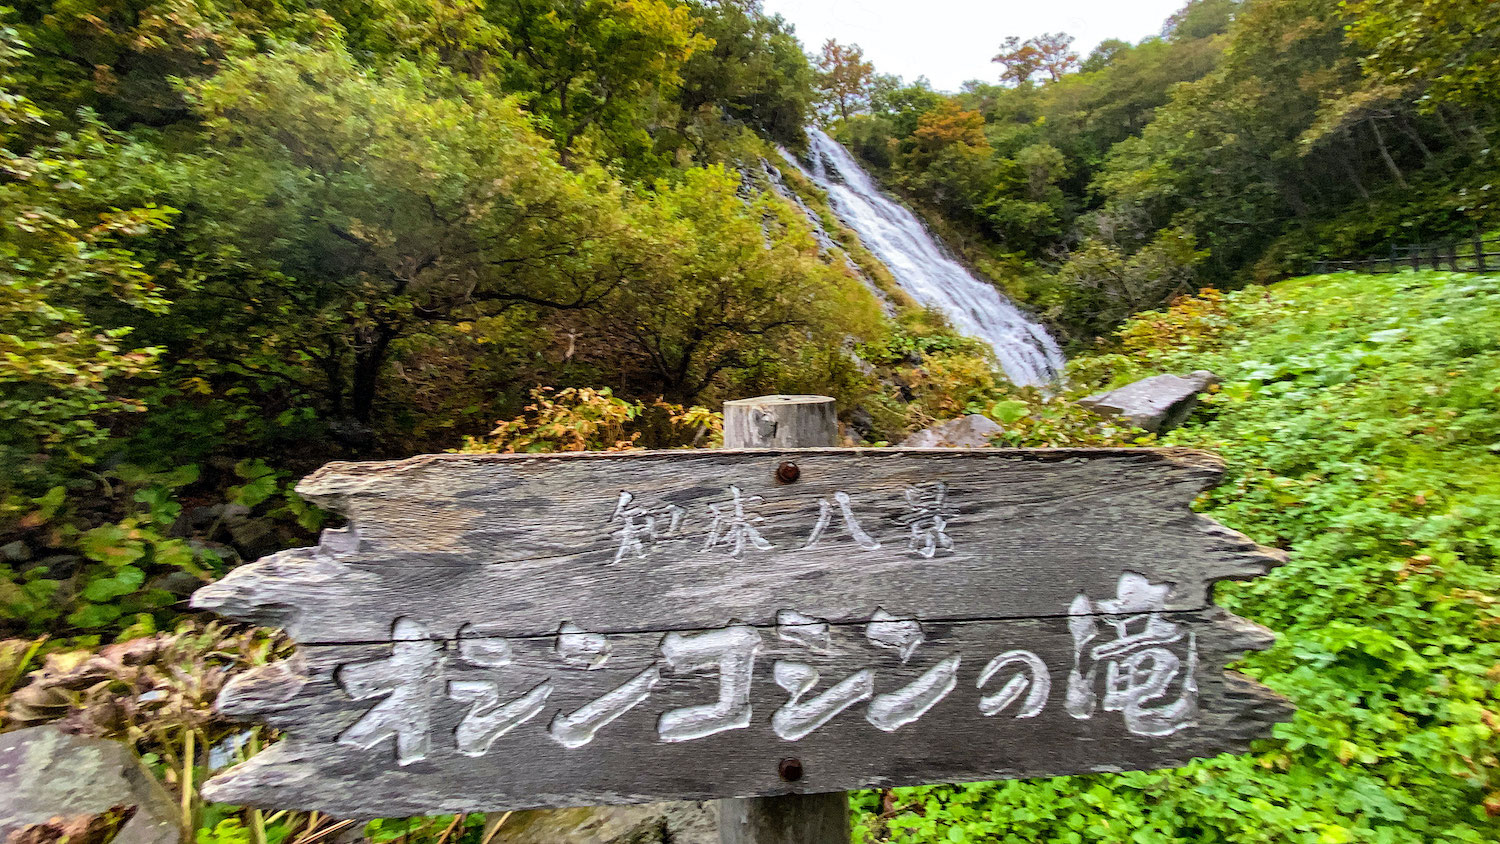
(925, 270)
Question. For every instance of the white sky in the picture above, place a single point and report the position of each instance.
(951, 41)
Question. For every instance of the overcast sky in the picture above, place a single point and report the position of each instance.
(951, 41)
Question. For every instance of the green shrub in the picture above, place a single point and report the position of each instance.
(1360, 418)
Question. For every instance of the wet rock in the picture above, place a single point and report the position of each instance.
(15, 552)
(46, 773)
(60, 566)
(351, 433)
(179, 583)
(861, 422)
(256, 538)
(252, 536)
(224, 552)
(1156, 404)
(651, 823)
(199, 519)
(972, 431)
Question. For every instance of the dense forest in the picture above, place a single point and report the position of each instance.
(240, 239)
(1246, 140)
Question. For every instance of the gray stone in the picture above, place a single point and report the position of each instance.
(1156, 404)
(971, 431)
(179, 583)
(46, 773)
(15, 552)
(861, 422)
(201, 518)
(60, 566)
(256, 537)
(649, 823)
(226, 553)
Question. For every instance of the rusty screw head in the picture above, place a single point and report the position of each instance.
(790, 769)
(788, 472)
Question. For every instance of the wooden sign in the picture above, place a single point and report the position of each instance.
(499, 632)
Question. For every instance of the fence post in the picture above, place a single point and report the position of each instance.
(1416, 257)
(1479, 253)
(1393, 258)
(1453, 255)
(1435, 257)
(783, 422)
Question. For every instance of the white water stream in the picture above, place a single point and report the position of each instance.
(925, 270)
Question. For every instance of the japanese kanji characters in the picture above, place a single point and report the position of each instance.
(735, 526)
(1148, 658)
(851, 524)
(637, 530)
(928, 519)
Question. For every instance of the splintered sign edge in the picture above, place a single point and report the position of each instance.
(684, 620)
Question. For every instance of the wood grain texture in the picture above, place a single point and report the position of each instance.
(781, 422)
(522, 543)
(484, 636)
(627, 762)
(789, 819)
(785, 422)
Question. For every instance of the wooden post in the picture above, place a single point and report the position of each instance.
(1479, 253)
(793, 819)
(1416, 257)
(783, 422)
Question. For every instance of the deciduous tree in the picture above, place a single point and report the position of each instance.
(844, 78)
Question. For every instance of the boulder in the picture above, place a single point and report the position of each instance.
(1156, 404)
(971, 431)
(46, 773)
(651, 823)
(861, 423)
(256, 538)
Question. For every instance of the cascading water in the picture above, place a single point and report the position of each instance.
(925, 270)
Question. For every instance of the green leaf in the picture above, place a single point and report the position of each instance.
(114, 545)
(123, 582)
(93, 615)
(1010, 411)
(48, 503)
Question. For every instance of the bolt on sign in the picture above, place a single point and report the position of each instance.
(494, 632)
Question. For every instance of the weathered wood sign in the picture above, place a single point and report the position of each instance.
(497, 632)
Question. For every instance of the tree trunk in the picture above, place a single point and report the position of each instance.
(1410, 131)
(1354, 179)
(367, 365)
(1385, 154)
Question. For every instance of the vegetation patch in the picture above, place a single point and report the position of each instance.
(1360, 418)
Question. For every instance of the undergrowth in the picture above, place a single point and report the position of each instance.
(1360, 420)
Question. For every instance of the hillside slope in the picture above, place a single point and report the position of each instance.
(1360, 417)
